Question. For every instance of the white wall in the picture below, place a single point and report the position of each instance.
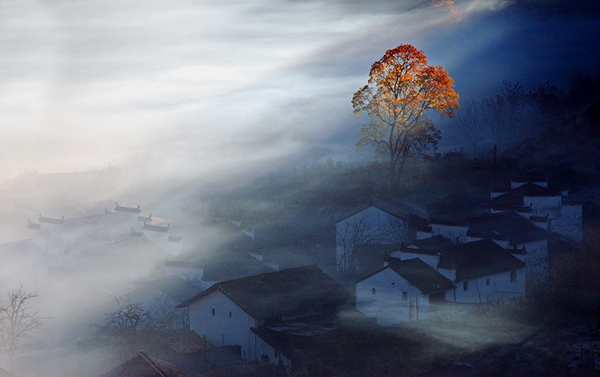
(542, 205)
(536, 261)
(452, 232)
(221, 329)
(386, 305)
(570, 222)
(495, 288)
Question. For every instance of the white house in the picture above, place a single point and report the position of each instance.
(403, 291)
(375, 221)
(564, 215)
(227, 312)
(518, 235)
(482, 271)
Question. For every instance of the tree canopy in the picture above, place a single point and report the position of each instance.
(401, 88)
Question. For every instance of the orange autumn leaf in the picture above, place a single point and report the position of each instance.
(400, 91)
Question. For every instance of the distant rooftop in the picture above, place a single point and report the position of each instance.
(119, 208)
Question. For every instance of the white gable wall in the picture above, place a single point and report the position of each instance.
(536, 261)
(542, 205)
(386, 303)
(221, 328)
(495, 288)
(570, 222)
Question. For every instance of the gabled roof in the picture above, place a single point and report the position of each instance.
(515, 196)
(119, 208)
(143, 365)
(397, 207)
(505, 226)
(478, 258)
(286, 292)
(418, 273)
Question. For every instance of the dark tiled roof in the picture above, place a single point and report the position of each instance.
(515, 196)
(119, 208)
(421, 275)
(144, 366)
(479, 258)
(394, 206)
(50, 220)
(286, 292)
(508, 226)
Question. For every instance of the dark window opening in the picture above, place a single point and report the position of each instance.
(213, 311)
(230, 314)
(513, 276)
(487, 282)
(404, 296)
(465, 286)
(373, 291)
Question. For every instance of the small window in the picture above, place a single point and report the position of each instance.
(465, 286)
(213, 311)
(373, 291)
(230, 314)
(404, 296)
(487, 282)
(513, 276)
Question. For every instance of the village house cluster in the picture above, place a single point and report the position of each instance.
(256, 298)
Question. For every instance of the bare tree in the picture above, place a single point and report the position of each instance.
(396, 230)
(468, 126)
(18, 321)
(127, 320)
(509, 115)
(165, 316)
(357, 231)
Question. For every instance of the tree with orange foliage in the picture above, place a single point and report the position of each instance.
(401, 88)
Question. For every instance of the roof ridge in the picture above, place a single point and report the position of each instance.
(151, 363)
